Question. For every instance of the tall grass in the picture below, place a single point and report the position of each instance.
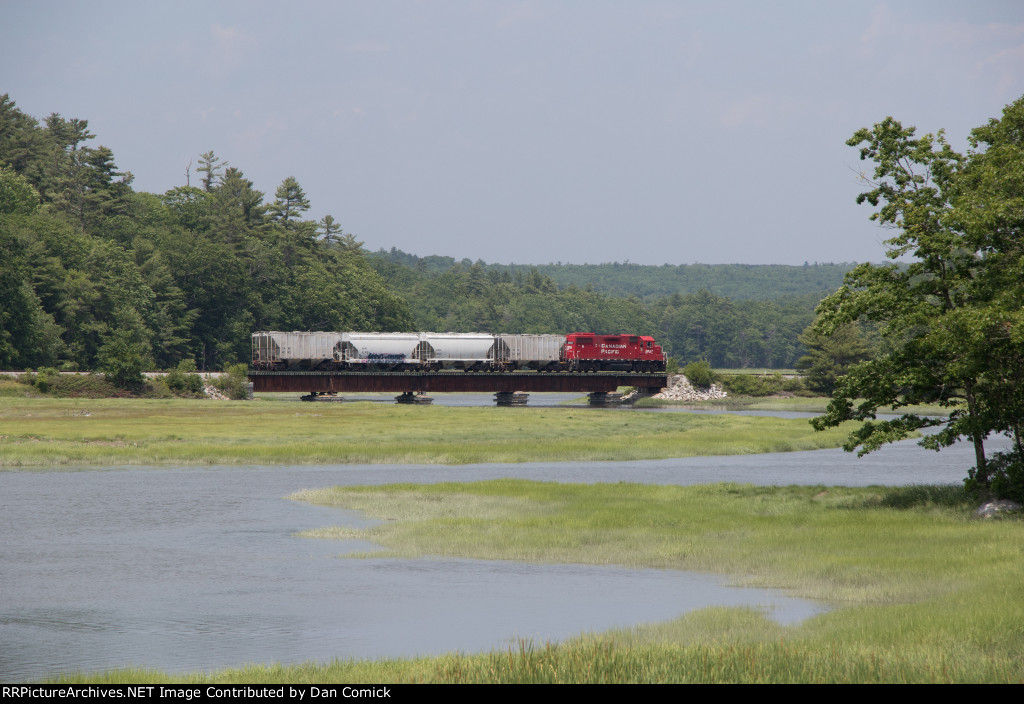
(603, 660)
(922, 593)
(102, 432)
(803, 404)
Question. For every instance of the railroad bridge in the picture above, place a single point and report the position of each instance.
(509, 387)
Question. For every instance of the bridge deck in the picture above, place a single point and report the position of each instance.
(440, 382)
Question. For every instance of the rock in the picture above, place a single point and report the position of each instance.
(211, 391)
(680, 389)
(994, 509)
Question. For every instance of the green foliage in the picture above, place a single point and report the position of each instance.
(183, 379)
(473, 296)
(51, 382)
(122, 359)
(621, 280)
(17, 196)
(235, 382)
(44, 379)
(829, 356)
(190, 273)
(83, 386)
(699, 374)
(950, 321)
(1005, 477)
(753, 384)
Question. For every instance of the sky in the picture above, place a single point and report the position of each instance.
(654, 132)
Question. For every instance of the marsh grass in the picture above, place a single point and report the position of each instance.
(800, 404)
(840, 545)
(47, 432)
(922, 594)
(605, 660)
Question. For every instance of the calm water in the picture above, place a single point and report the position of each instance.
(192, 568)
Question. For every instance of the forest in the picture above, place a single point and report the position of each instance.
(92, 272)
(726, 332)
(91, 269)
(621, 279)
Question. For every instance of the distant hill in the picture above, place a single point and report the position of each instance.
(735, 281)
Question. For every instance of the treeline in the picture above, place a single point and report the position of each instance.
(92, 272)
(94, 275)
(736, 281)
(701, 325)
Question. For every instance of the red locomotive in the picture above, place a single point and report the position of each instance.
(587, 352)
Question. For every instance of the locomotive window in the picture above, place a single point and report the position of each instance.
(649, 343)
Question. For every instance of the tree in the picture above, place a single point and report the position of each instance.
(17, 196)
(211, 166)
(950, 321)
(830, 356)
(289, 202)
(330, 233)
(123, 359)
(236, 209)
(329, 228)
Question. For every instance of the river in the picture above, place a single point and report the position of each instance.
(193, 568)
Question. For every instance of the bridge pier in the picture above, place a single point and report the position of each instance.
(321, 396)
(511, 398)
(419, 399)
(604, 398)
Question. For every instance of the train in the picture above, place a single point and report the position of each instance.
(470, 352)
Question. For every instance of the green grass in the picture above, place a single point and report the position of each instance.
(803, 404)
(921, 593)
(104, 432)
(829, 544)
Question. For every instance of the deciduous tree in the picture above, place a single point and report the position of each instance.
(950, 319)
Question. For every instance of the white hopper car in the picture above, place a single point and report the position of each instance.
(396, 351)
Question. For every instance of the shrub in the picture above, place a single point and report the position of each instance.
(83, 386)
(1006, 477)
(123, 359)
(156, 388)
(753, 385)
(183, 378)
(45, 379)
(699, 374)
(235, 383)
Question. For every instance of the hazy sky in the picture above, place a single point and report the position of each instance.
(530, 132)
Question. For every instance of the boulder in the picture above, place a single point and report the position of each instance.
(994, 509)
(680, 389)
